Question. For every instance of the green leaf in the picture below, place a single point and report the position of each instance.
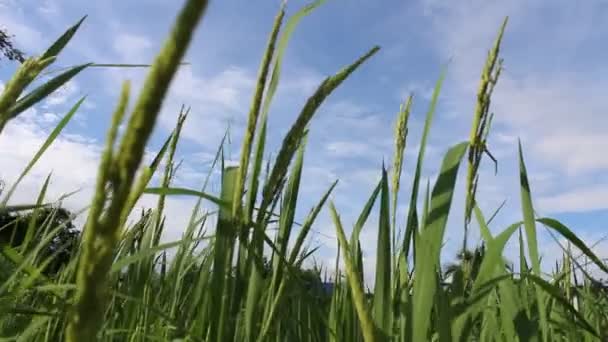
(530, 228)
(44, 90)
(568, 234)
(60, 43)
(428, 248)
(171, 191)
(555, 293)
(368, 328)
(382, 304)
(145, 253)
(411, 215)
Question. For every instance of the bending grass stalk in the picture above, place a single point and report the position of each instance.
(481, 124)
(367, 326)
(400, 144)
(89, 300)
(102, 230)
(169, 167)
(293, 137)
(255, 111)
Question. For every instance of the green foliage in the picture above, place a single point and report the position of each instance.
(235, 282)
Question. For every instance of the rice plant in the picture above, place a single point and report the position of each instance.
(226, 279)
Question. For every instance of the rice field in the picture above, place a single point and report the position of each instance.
(235, 282)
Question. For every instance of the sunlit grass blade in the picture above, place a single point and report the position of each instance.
(530, 228)
(367, 325)
(103, 230)
(431, 238)
(254, 111)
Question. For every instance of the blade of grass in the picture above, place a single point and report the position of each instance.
(367, 325)
(429, 247)
(411, 215)
(382, 302)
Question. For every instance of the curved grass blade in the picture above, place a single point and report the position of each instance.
(186, 192)
(570, 236)
(272, 87)
(255, 111)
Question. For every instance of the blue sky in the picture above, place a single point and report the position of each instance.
(550, 96)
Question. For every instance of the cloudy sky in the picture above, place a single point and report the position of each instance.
(550, 96)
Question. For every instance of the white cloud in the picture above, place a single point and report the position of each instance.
(73, 164)
(49, 8)
(576, 200)
(132, 48)
(349, 149)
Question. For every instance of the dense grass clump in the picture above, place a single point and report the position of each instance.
(118, 281)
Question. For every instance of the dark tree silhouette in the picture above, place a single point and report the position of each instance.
(8, 49)
(13, 229)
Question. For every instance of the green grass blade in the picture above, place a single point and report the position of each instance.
(382, 304)
(35, 214)
(555, 294)
(307, 225)
(44, 90)
(291, 140)
(272, 87)
(103, 230)
(411, 215)
(172, 191)
(150, 251)
(493, 255)
(59, 44)
(427, 263)
(401, 131)
(254, 111)
(530, 228)
(367, 325)
(570, 236)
